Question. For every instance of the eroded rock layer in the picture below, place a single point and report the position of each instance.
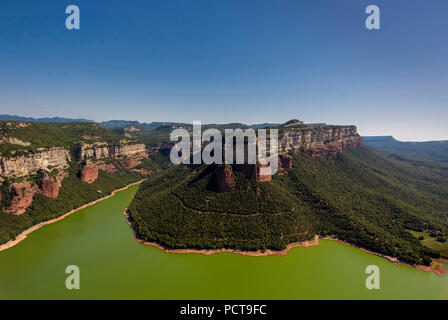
(89, 173)
(104, 150)
(25, 165)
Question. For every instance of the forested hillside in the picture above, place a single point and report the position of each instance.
(360, 196)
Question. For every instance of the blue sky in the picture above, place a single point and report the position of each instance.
(230, 61)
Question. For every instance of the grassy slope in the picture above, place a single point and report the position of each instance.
(360, 196)
(432, 243)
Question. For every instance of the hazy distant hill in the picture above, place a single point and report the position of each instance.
(430, 150)
(125, 123)
(110, 124)
(7, 117)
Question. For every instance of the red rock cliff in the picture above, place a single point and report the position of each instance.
(50, 187)
(22, 194)
(224, 180)
(89, 173)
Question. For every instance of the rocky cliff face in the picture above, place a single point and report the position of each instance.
(22, 193)
(46, 160)
(104, 150)
(33, 164)
(224, 181)
(319, 141)
(21, 167)
(50, 187)
(89, 173)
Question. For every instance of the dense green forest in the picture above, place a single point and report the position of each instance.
(46, 135)
(361, 196)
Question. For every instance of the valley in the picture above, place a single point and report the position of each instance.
(328, 185)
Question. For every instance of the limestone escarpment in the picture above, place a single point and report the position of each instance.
(294, 135)
(21, 170)
(31, 163)
(16, 169)
(101, 150)
(319, 141)
(36, 157)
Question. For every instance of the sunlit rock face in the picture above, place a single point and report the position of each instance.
(318, 141)
(103, 150)
(89, 173)
(31, 163)
(21, 194)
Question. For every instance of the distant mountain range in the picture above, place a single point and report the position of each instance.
(429, 150)
(7, 117)
(117, 123)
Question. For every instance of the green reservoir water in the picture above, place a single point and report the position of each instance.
(113, 265)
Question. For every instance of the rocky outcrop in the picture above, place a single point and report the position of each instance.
(224, 180)
(352, 142)
(263, 177)
(143, 171)
(31, 163)
(333, 148)
(50, 187)
(107, 167)
(103, 150)
(12, 140)
(89, 173)
(130, 163)
(21, 194)
(325, 150)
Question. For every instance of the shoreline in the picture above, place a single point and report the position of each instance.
(207, 252)
(23, 235)
(436, 266)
